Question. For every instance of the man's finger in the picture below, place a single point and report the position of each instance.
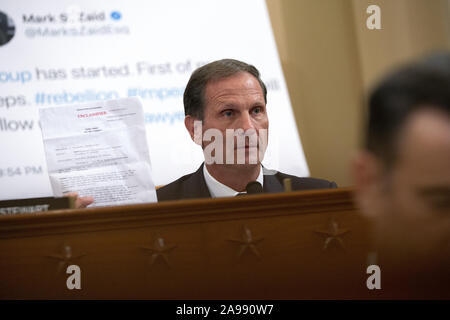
(83, 202)
(80, 202)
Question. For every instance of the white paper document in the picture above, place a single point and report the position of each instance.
(100, 150)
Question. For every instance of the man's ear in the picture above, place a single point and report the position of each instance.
(367, 172)
(194, 127)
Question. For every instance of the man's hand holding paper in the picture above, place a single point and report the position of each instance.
(98, 150)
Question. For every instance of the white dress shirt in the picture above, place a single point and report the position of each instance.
(217, 189)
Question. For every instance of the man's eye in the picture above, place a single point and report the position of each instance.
(257, 110)
(228, 113)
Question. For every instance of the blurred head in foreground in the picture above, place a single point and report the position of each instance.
(402, 174)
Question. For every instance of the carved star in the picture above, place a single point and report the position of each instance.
(159, 250)
(247, 242)
(65, 257)
(333, 233)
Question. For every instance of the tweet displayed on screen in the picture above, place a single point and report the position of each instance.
(77, 52)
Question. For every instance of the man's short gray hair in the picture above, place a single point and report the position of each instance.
(194, 94)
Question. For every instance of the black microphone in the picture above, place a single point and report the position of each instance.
(254, 187)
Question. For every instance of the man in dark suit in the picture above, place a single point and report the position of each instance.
(225, 108)
(192, 186)
(228, 98)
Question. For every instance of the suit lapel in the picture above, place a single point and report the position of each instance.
(195, 186)
(272, 184)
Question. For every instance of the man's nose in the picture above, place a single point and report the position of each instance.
(246, 121)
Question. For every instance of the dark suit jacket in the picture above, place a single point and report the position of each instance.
(193, 186)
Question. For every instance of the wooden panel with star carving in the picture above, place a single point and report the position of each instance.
(310, 244)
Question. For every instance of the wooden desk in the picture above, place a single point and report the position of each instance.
(311, 244)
